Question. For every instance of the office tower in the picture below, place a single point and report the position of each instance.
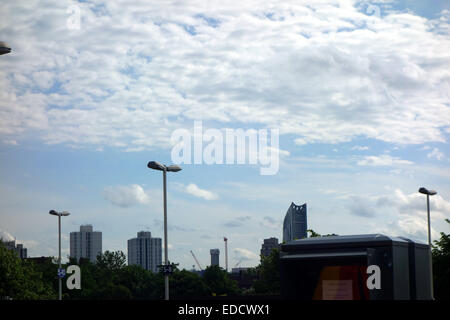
(19, 249)
(145, 251)
(86, 243)
(295, 226)
(268, 245)
(214, 257)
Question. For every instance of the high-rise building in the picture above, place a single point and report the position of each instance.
(268, 246)
(85, 243)
(295, 224)
(145, 251)
(19, 249)
(214, 257)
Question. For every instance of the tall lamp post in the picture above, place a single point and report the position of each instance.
(172, 168)
(429, 193)
(59, 214)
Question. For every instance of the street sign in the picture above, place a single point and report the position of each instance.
(61, 273)
(167, 269)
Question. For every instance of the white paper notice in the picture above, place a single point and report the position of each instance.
(337, 290)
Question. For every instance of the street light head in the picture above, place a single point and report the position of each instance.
(55, 213)
(156, 166)
(173, 168)
(428, 192)
(4, 48)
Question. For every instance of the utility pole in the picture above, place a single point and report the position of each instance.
(226, 253)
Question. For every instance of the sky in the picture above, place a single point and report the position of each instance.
(93, 90)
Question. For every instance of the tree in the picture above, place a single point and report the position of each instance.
(441, 266)
(111, 260)
(19, 280)
(142, 283)
(268, 273)
(219, 282)
(186, 284)
(314, 234)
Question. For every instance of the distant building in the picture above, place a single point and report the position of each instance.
(239, 269)
(86, 243)
(19, 249)
(145, 251)
(214, 257)
(295, 224)
(268, 246)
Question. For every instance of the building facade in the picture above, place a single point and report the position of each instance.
(295, 223)
(268, 246)
(85, 243)
(214, 257)
(19, 249)
(145, 251)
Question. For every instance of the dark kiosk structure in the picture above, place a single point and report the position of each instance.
(339, 267)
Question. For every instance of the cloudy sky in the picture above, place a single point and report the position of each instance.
(93, 90)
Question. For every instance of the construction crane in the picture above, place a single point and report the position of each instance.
(238, 263)
(226, 253)
(198, 263)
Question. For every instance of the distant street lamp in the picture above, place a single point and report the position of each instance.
(429, 193)
(59, 214)
(4, 48)
(172, 168)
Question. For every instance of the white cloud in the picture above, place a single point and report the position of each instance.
(321, 72)
(6, 236)
(436, 154)
(11, 142)
(126, 196)
(383, 160)
(270, 222)
(408, 213)
(359, 206)
(360, 148)
(194, 190)
(244, 254)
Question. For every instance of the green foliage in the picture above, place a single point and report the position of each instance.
(268, 273)
(111, 261)
(186, 284)
(441, 266)
(20, 280)
(313, 234)
(219, 282)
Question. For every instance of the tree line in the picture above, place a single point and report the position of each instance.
(111, 278)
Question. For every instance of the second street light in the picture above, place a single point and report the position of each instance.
(60, 275)
(429, 193)
(173, 168)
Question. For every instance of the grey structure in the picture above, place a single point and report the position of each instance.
(86, 243)
(295, 224)
(145, 251)
(268, 246)
(19, 249)
(214, 257)
(307, 264)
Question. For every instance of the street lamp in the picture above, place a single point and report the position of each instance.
(4, 48)
(429, 193)
(59, 214)
(172, 168)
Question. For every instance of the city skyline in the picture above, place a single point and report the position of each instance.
(93, 91)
